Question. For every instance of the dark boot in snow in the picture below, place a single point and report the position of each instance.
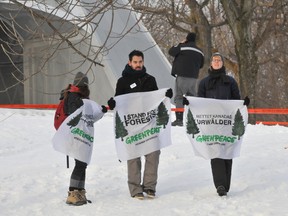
(179, 119)
(221, 191)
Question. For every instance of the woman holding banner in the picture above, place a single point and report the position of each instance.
(218, 85)
(73, 100)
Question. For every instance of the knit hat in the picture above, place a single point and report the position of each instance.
(217, 54)
(80, 79)
(191, 37)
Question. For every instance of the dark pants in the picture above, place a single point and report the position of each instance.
(78, 176)
(221, 171)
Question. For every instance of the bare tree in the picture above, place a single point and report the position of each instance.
(244, 31)
(53, 26)
(170, 21)
(252, 36)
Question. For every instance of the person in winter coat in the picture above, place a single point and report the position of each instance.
(219, 85)
(188, 59)
(136, 79)
(73, 96)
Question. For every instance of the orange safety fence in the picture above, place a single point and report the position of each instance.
(29, 106)
(177, 109)
(268, 111)
(271, 123)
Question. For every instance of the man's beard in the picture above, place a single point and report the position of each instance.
(138, 68)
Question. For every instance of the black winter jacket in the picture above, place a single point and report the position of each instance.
(188, 59)
(135, 81)
(72, 102)
(218, 85)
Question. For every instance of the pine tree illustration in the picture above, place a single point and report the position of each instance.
(74, 121)
(162, 115)
(238, 128)
(191, 124)
(120, 130)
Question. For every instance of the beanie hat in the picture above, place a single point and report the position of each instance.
(217, 54)
(191, 37)
(80, 79)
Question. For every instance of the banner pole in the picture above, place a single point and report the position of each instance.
(67, 161)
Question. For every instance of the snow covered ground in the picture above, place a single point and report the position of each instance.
(34, 178)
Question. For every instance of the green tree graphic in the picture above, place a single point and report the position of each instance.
(191, 126)
(74, 121)
(120, 130)
(162, 115)
(238, 128)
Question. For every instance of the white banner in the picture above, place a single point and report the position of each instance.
(141, 123)
(215, 127)
(76, 134)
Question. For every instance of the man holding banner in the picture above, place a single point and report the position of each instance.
(216, 127)
(141, 124)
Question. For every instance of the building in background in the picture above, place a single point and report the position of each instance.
(36, 64)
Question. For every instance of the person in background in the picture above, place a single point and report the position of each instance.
(73, 96)
(188, 59)
(219, 85)
(136, 79)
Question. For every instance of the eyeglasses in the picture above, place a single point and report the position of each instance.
(216, 60)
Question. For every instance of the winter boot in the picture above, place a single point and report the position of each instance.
(179, 119)
(139, 196)
(76, 198)
(83, 194)
(150, 193)
(221, 191)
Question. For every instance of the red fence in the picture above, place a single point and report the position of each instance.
(29, 106)
(267, 111)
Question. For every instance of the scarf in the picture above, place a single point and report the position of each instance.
(215, 75)
(129, 71)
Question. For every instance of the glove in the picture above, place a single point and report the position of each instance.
(104, 109)
(185, 101)
(111, 103)
(169, 93)
(246, 101)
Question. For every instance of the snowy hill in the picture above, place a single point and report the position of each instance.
(34, 178)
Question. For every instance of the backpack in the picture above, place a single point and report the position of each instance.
(60, 115)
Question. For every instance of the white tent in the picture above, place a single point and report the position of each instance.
(42, 84)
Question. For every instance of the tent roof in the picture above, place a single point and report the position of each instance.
(118, 28)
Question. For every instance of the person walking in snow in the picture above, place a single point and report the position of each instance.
(136, 79)
(188, 59)
(219, 85)
(73, 96)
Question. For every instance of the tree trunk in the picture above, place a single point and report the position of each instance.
(239, 18)
(200, 25)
